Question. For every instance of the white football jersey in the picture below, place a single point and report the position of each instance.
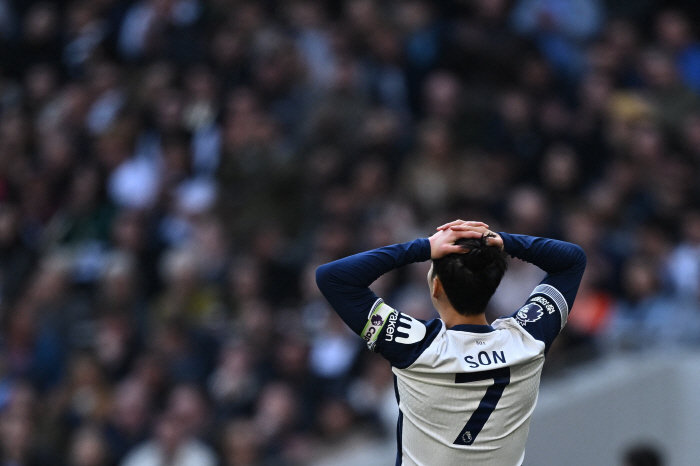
(466, 393)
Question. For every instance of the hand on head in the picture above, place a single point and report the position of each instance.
(442, 242)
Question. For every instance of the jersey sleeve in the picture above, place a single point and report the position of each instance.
(345, 282)
(544, 314)
(546, 311)
(398, 337)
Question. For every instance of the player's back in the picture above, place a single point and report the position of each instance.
(466, 394)
(468, 397)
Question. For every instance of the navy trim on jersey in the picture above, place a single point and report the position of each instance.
(399, 425)
(399, 439)
(473, 328)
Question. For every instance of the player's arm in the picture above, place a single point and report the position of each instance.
(345, 282)
(547, 309)
(564, 262)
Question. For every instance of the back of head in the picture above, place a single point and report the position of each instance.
(471, 278)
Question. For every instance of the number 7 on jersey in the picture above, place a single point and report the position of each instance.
(501, 379)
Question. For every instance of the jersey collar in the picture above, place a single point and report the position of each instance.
(472, 328)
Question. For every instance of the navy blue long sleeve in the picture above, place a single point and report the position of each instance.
(564, 263)
(345, 282)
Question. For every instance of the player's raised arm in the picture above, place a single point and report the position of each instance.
(345, 282)
(564, 262)
(546, 311)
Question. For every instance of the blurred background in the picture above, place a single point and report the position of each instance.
(172, 172)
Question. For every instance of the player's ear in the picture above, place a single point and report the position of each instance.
(437, 287)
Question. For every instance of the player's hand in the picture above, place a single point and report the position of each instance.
(461, 222)
(442, 243)
(492, 239)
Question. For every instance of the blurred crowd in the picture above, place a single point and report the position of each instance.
(173, 171)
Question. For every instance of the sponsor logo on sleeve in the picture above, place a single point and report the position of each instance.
(531, 312)
(391, 327)
(408, 330)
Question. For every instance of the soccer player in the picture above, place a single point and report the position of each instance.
(466, 389)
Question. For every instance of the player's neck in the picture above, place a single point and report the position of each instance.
(452, 318)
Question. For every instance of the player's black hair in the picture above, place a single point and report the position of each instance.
(471, 278)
